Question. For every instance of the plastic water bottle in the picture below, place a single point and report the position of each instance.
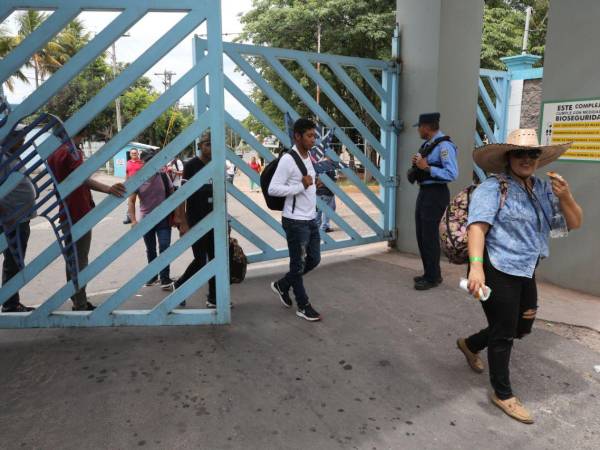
(558, 224)
(483, 294)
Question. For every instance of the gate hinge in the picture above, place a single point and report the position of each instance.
(397, 126)
(396, 66)
(392, 182)
(391, 235)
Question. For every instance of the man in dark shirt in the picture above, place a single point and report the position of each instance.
(13, 208)
(197, 207)
(62, 163)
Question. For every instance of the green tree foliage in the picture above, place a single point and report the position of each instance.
(502, 36)
(168, 125)
(7, 43)
(89, 82)
(348, 27)
(42, 61)
(70, 40)
(78, 92)
(503, 28)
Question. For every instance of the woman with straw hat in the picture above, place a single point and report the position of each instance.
(506, 242)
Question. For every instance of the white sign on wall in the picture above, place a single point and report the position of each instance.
(576, 121)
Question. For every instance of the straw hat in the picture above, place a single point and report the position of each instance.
(492, 157)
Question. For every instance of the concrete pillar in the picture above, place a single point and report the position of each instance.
(441, 42)
(571, 67)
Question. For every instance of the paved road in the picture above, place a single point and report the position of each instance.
(110, 229)
(380, 372)
(558, 305)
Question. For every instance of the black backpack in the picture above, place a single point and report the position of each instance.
(277, 203)
(238, 262)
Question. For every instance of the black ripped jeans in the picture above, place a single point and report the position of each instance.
(510, 313)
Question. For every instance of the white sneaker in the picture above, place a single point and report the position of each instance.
(169, 287)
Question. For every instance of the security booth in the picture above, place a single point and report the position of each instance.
(121, 158)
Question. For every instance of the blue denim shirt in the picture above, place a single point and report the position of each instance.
(444, 156)
(519, 231)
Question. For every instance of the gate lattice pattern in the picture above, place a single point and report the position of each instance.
(381, 77)
(207, 79)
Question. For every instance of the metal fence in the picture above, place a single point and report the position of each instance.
(196, 12)
(207, 78)
(492, 108)
(373, 220)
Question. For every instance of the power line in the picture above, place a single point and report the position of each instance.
(167, 76)
(203, 35)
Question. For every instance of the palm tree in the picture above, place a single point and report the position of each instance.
(72, 39)
(42, 61)
(7, 43)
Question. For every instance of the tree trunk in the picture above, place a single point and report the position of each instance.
(36, 71)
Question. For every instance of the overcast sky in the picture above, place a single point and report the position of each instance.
(144, 34)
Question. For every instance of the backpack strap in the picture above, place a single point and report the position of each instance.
(163, 177)
(300, 164)
(503, 182)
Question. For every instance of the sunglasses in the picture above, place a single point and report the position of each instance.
(526, 153)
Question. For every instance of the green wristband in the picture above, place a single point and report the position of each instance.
(475, 259)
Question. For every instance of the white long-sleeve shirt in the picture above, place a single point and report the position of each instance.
(287, 182)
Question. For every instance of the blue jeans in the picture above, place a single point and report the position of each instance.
(322, 218)
(162, 231)
(304, 245)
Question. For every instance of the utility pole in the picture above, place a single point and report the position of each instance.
(118, 99)
(167, 76)
(318, 62)
(526, 34)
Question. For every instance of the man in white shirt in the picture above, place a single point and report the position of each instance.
(298, 219)
(175, 171)
(229, 171)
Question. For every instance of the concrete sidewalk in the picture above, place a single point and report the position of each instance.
(381, 371)
(555, 304)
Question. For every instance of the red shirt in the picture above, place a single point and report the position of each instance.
(62, 163)
(255, 166)
(133, 167)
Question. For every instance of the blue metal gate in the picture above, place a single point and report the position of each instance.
(494, 90)
(207, 78)
(196, 12)
(373, 220)
(492, 109)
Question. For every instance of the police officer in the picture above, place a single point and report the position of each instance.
(434, 166)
